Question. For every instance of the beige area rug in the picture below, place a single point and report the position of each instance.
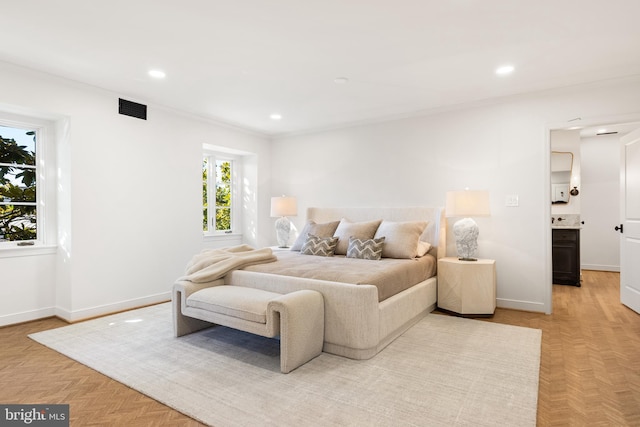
(444, 371)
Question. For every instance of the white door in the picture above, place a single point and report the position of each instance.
(630, 220)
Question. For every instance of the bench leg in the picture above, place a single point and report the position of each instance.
(301, 327)
(183, 325)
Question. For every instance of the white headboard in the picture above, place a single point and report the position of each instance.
(435, 233)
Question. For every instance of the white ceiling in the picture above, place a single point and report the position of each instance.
(239, 61)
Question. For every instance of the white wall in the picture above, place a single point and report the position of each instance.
(128, 191)
(503, 148)
(128, 198)
(599, 242)
(28, 290)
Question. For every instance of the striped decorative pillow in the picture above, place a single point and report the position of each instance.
(365, 249)
(321, 246)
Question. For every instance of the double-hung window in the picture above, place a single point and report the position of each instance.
(20, 217)
(220, 196)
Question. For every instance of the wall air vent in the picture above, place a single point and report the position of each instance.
(132, 109)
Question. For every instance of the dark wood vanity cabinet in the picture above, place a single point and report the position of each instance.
(566, 256)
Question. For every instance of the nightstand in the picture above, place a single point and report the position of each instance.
(467, 287)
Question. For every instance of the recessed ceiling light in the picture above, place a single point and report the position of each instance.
(504, 70)
(341, 80)
(157, 74)
(275, 116)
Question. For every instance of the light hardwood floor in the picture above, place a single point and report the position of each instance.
(589, 373)
(590, 358)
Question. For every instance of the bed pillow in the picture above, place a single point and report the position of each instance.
(423, 248)
(365, 249)
(311, 227)
(359, 230)
(320, 246)
(401, 238)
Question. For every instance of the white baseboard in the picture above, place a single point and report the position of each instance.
(27, 316)
(87, 313)
(599, 267)
(537, 307)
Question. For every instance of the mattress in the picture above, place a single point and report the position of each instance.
(389, 275)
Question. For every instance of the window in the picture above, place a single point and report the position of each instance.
(19, 216)
(219, 195)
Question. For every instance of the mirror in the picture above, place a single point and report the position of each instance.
(561, 165)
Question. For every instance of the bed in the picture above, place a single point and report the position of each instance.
(370, 303)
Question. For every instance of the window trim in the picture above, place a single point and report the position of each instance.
(236, 195)
(44, 130)
(20, 251)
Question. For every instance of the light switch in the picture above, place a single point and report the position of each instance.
(511, 200)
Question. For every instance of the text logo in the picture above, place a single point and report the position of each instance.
(34, 415)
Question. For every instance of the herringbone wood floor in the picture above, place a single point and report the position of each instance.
(589, 373)
(590, 359)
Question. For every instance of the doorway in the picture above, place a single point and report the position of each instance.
(597, 182)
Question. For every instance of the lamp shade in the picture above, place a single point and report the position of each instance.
(284, 206)
(467, 203)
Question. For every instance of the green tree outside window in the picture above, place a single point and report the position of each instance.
(17, 188)
(223, 194)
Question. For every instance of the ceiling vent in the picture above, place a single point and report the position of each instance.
(606, 133)
(133, 109)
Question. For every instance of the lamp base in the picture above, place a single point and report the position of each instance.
(466, 233)
(283, 229)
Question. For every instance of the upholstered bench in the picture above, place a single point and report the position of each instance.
(297, 317)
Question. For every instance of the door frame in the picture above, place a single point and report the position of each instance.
(576, 123)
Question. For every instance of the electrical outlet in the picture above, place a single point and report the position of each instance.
(511, 200)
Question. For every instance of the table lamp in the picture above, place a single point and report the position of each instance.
(467, 203)
(282, 207)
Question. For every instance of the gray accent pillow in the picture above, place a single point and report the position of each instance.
(365, 249)
(401, 238)
(320, 246)
(359, 230)
(311, 227)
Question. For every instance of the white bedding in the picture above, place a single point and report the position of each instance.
(389, 275)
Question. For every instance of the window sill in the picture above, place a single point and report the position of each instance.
(35, 250)
(222, 237)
